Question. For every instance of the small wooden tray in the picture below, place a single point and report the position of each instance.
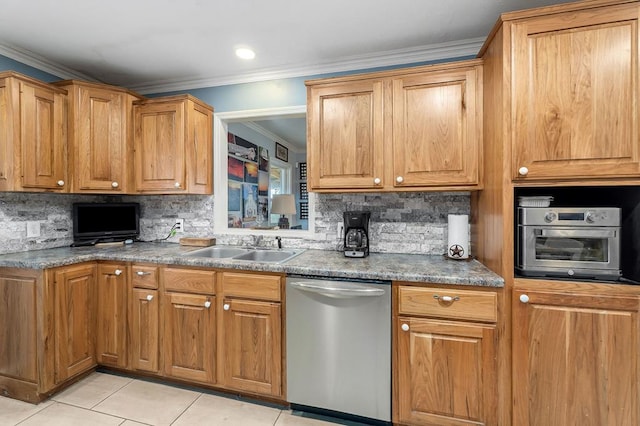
(198, 242)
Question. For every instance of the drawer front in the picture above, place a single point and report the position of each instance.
(144, 276)
(189, 280)
(252, 286)
(448, 303)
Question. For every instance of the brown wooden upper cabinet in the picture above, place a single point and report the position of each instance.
(575, 93)
(100, 137)
(173, 144)
(408, 129)
(33, 135)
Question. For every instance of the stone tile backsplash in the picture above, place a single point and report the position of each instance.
(407, 222)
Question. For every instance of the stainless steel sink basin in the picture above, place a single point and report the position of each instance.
(268, 255)
(247, 254)
(218, 252)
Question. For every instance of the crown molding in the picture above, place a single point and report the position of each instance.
(413, 55)
(433, 52)
(34, 60)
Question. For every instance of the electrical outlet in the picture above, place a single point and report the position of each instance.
(179, 225)
(33, 229)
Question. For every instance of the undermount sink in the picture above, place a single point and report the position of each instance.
(247, 254)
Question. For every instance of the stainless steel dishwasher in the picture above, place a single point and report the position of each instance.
(339, 346)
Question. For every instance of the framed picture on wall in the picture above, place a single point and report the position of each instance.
(282, 152)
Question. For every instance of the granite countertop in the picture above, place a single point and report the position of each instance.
(380, 266)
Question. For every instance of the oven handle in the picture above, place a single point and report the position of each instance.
(574, 233)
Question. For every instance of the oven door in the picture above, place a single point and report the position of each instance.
(568, 251)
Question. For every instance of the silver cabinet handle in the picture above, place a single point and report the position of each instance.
(523, 171)
(118, 272)
(226, 306)
(405, 327)
(150, 297)
(141, 273)
(524, 298)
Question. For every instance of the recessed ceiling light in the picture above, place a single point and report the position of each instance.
(245, 53)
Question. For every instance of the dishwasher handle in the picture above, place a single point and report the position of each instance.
(330, 289)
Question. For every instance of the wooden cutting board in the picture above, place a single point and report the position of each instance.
(198, 242)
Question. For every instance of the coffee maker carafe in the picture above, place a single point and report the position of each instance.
(356, 234)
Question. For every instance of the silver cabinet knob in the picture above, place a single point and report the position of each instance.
(524, 298)
(60, 182)
(150, 297)
(114, 184)
(523, 171)
(177, 184)
(405, 327)
(399, 179)
(226, 306)
(207, 304)
(118, 272)
(377, 181)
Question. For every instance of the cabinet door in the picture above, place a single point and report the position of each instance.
(446, 373)
(189, 336)
(252, 342)
(436, 128)
(111, 324)
(345, 124)
(144, 330)
(74, 320)
(200, 150)
(160, 147)
(575, 94)
(43, 136)
(575, 359)
(99, 139)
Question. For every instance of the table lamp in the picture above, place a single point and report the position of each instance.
(283, 204)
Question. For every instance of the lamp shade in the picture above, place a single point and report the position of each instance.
(283, 204)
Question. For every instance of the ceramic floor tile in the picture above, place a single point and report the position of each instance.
(13, 411)
(132, 423)
(217, 410)
(58, 414)
(148, 402)
(92, 390)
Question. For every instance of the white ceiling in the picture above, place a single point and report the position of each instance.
(160, 45)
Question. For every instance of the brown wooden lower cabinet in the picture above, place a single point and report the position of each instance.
(189, 345)
(144, 330)
(575, 354)
(74, 293)
(111, 309)
(252, 339)
(446, 370)
(26, 334)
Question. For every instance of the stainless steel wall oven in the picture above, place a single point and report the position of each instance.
(569, 242)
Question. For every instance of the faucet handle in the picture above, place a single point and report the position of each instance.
(279, 240)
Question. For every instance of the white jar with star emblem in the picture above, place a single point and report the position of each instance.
(458, 236)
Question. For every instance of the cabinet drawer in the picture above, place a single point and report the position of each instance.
(144, 276)
(251, 286)
(189, 280)
(464, 304)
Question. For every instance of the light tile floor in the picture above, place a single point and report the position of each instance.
(108, 399)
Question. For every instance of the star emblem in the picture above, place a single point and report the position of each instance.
(456, 250)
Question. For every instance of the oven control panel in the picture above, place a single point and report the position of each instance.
(569, 216)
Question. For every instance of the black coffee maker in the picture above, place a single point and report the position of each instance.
(356, 234)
